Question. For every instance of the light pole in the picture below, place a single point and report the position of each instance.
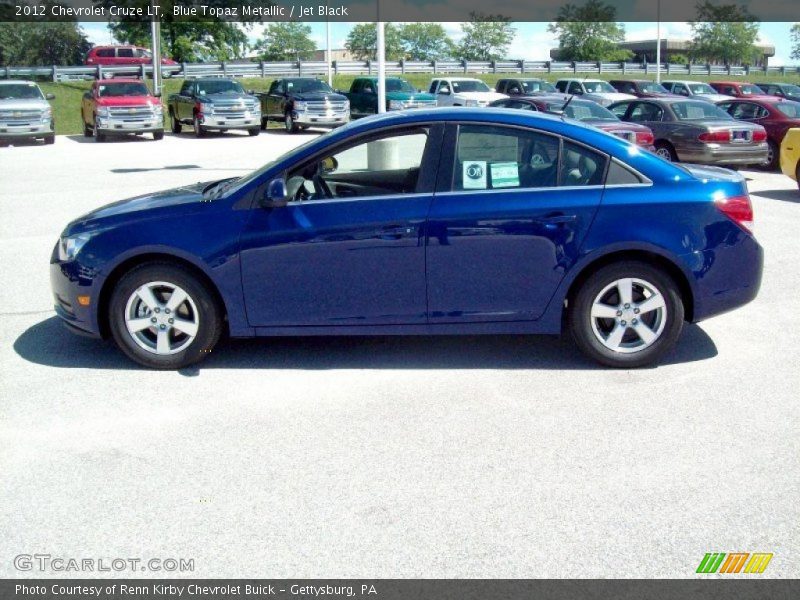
(328, 46)
(381, 68)
(658, 42)
(155, 33)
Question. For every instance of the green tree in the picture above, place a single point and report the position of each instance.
(486, 37)
(725, 34)
(589, 32)
(362, 42)
(184, 39)
(286, 41)
(41, 43)
(426, 41)
(795, 33)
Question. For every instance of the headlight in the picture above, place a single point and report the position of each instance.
(69, 247)
(102, 112)
(471, 103)
(300, 106)
(47, 114)
(347, 104)
(157, 108)
(396, 105)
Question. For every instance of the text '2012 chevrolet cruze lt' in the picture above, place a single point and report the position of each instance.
(443, 221)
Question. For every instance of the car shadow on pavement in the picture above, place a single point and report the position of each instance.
(49, 343)
(112, 139)
(785, 195)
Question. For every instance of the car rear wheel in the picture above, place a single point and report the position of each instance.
(626, 315)
(158, 135)
(773, 156)
(198, 128)
(289, 124)
(175, 123)
(666, 151)
(163, 317)
(254, 131)
(264, 123)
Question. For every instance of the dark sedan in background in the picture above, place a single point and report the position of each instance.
(775, 115)
(782, 90)
(641, 88)
(524, 87)
(696, 131)
(586, 111)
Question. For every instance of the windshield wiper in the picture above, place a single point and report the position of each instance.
(216, 189)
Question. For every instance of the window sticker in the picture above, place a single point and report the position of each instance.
(505, 174)
(474, 177)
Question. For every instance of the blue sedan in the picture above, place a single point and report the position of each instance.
(443, 221)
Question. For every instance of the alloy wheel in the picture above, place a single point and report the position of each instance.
(628, 315)
(161, 318)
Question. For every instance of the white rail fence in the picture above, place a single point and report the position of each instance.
(316, 68)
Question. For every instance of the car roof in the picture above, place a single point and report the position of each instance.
(730, 83)
(12, 81)
(118, 80)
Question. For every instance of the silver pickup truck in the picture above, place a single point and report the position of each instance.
(214, 105)
(25, 113)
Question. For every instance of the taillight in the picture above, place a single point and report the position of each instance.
(715, 136)
(644, 138)
(760, 135)
(738, 209)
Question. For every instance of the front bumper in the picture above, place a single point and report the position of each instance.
(321, 120)
(724, 154)
(120, 126)
(33, 129)
(223, 123)
(68, 281)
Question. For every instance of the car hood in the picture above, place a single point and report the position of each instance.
(222, 98)
(24, 104)
(410, 96)
(127, 101)
(319, 97)
(155, 205)
(609, 96)
(482, 96)
(711, 97)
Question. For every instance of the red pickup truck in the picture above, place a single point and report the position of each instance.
(121, 106)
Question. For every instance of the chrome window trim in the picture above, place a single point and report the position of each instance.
(360, 198)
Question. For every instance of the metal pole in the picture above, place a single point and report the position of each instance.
(658, 42)
(381, 69)
(155, 33)
(328, 51)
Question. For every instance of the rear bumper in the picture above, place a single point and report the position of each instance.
(723, 154)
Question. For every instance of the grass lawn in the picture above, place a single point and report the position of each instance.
(67, 103)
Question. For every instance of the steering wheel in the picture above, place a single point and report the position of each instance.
(321, 185)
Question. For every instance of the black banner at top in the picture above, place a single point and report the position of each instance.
(382, 10)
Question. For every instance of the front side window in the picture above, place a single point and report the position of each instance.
(575, 88)
(747, 111)
(125, 52)
(620, 109)
(644, 111)
(383, 166)
(105, 52)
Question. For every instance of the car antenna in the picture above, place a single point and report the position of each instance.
(566, 104)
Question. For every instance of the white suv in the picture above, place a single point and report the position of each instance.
(596, 90)
(463, 91)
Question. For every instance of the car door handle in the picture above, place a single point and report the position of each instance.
(557, 219)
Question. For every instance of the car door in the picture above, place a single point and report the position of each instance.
(649, 114)
(275, 99)
(511, 210)
(186, 100)
(348, 249)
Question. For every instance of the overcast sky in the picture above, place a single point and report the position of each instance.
(532, 41)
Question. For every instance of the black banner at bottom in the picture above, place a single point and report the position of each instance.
(398, 589)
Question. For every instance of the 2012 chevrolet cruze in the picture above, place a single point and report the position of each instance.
(443, 221)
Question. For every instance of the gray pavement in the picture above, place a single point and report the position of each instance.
(384, 457)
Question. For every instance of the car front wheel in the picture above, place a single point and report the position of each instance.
(163, 317)
(198, 128)
(626, 315)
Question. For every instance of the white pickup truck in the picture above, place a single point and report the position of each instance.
(463, 91)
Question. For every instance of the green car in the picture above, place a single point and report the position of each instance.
(400, 94)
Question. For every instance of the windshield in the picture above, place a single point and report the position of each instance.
(790, 109)
(304, 86)
(19, 91)
(696, 111)
(534, 85)
(219, 87)
(111, 90)
(654, 88)
(749, 90)
(598, 87)
(701, 88)
(469, 85)
(794, 90)
(399, 85)
(584, 111)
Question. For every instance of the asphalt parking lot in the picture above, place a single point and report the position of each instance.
(384, 457)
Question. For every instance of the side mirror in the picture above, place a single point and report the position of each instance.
(50, 96)
(251, 92)
(277, 195)
(444, 91)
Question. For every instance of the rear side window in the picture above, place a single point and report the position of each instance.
(581, 166)
(489, 157)
(125, 52)
(105, 52)
(621, 175)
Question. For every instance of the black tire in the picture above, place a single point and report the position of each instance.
(175, 123)
(158, 135)
(98, 137)
(289, 124)
(198, 128)
(50, 139)
(666, 151)
(797, 175)
(582, 325)
(264, 123)
(253, 131)
(774, 157)
(209, 319)
(87, 129)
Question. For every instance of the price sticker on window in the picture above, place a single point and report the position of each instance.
(505, 174)
(474, 175)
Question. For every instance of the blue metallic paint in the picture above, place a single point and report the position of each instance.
(359, 266)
